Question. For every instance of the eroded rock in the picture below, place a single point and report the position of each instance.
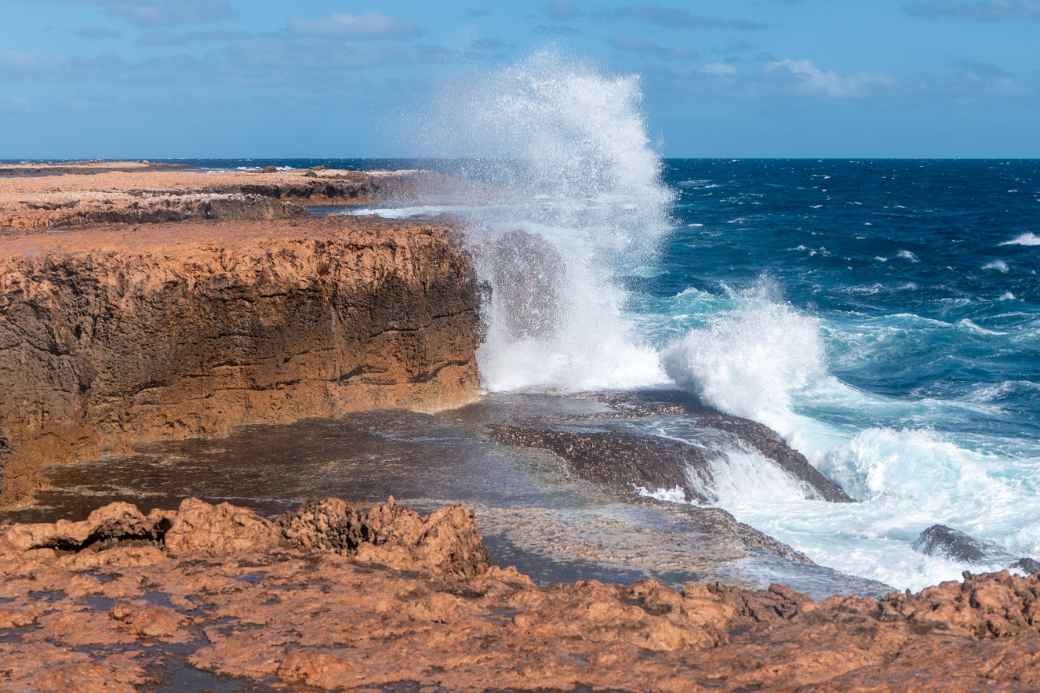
(327, 620)
(117, 336)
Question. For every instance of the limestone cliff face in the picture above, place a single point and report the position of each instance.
(118, 335)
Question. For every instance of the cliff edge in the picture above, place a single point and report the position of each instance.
(115, 335)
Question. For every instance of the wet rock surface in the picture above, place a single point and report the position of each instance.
(533, 510)
(940, 540)
(602, 448)
(622, 461)
(289, 608)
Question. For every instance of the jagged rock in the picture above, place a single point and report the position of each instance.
(281, 616)
(113, 523)
(446, 542)
(201, 529)
(329, 524)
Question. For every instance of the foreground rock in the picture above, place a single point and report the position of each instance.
(117, 335)
(940, 540)
(334, 597)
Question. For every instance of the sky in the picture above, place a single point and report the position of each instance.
(338, 78)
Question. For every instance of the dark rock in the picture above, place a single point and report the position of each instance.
(600, 453)
(750, 433)
(525, 272)
(619, 460)
(940, 540)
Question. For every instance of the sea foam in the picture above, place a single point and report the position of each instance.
(751, 360)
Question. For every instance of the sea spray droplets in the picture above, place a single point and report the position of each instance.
(561, 152)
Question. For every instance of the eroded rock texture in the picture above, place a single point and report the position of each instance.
(337, 597)
(117, 335)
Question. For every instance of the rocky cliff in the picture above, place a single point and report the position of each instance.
(115, 335)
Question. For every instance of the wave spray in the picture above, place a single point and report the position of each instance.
(567, 197)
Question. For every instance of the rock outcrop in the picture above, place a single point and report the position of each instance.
(289, 603)
(525, 273)
(628, 461)
(118, 335)
(940, 540)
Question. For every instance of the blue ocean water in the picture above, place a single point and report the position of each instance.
(883, 316)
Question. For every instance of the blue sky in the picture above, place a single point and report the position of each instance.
(743, 78)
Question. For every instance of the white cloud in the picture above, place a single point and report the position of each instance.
(812, 80)
(163, 12)
(976, 10)
(719, 69)
(371, 25)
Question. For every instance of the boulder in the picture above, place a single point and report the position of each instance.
(940, 540)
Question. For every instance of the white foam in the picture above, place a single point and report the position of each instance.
(998, 265)
(907, 255)
(905, 480)
(751, 360)
(977, 329)
(1007, 296)
(670, 495)
(1027, 239)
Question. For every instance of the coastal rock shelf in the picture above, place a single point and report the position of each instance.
(115, 335)
(334, 597)
(38, 197)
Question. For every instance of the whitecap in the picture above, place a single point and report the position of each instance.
(997, 265)
(1026, 239)
(977, 329)
(907, 255)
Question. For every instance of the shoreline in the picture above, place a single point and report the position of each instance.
(144, 305)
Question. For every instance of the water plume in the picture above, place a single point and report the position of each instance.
(563, 195)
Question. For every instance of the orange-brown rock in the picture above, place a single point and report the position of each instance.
(297, 609)
(115, 335)
(36, 197)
